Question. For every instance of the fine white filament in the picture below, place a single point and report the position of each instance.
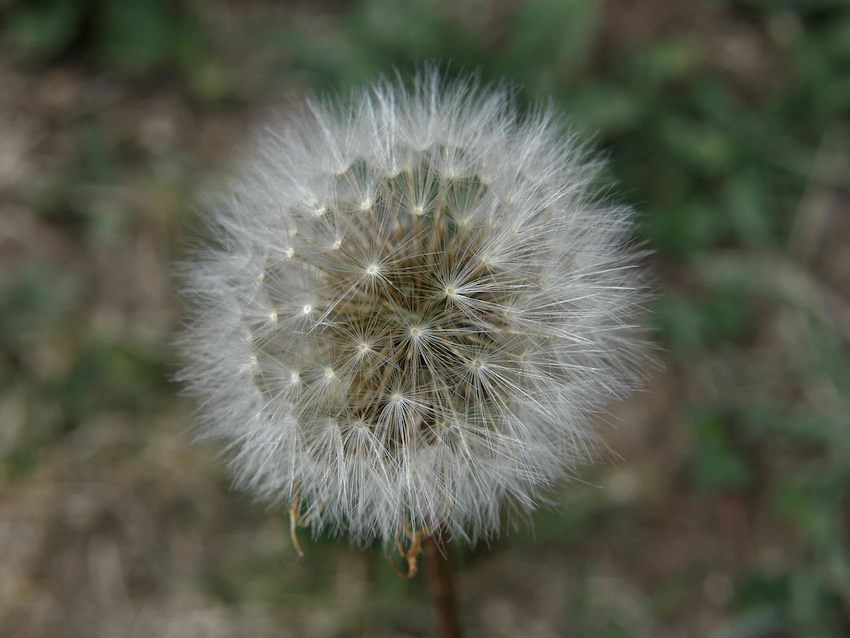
(414, 302)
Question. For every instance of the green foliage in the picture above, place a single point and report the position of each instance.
(32, 300)
(717, 465)
(136, 36)
(557, 31)
(42, 30)
(135, 39)
(691, 324)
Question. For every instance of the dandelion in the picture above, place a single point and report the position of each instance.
(416, 300)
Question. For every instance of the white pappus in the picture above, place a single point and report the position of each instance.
(415, 300)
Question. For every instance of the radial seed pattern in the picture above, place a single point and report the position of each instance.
(415, 304)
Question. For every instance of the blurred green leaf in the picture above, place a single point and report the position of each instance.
(134, 37)
(33, 299)
(684, 231)
(605, 108)
(21, 462)
(726, 313)
(665, 62)
(680, 323)
(44, 29)
(131, 38)
(707, 150)
(717, 465)
(748, 210)
(549, 43)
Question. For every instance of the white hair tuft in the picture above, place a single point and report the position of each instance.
(416, 302)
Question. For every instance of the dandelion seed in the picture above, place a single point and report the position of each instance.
(453, 351)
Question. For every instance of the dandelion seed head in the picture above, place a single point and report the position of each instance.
(436, 301)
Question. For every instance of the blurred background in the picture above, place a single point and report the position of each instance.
(723, 508)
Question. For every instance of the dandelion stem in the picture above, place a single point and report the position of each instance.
(441, 579)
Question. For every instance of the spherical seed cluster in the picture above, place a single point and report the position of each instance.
(416, 301)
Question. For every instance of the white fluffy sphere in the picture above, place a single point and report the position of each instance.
(415, 301)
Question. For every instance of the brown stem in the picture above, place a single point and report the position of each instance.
(441, 580)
